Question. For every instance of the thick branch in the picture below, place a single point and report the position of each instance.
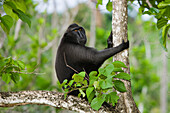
(50, 98)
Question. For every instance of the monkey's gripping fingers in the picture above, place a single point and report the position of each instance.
(110, 40)
(126, 44)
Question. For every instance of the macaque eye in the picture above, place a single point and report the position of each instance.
(75, 30)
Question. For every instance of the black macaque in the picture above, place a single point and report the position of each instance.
(73, 56)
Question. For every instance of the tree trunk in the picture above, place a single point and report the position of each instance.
(93, 25)
(126, 102)
(54, 46)
(163, 90)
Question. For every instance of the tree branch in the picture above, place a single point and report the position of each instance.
(49, 98)
(149, 4)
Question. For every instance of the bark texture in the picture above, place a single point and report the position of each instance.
(163, 90)
(92, 25)
(126, 102)
(50, 98)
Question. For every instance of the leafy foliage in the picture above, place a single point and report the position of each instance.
(6, 23)
(10, 69)
(161, 13)
(99, 2)
(158, 8)
(102, 84)
(108, 5)
(13, 9)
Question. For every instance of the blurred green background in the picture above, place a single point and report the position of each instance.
(36, 46)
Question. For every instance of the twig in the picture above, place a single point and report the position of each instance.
(69, 65)
(149, 4)
(33, 67)
(27, 72)
(17, 29)
(74, 89)
(139, 2)
(86, 77)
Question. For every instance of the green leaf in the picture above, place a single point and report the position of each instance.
(8, 60)
(15, 77)
(8, 69)
(166, 12)
(108, 70)
(164, 33)
(78, 84)
(141, 9)
(14, 4)
(114, 98)
(118, 70)
(90, 93)
(85, 82)
(2, 64)
(123, 75)
(105, 84)
(167, 1)
(147, 12)
(163, 4)
(97, 102)
(66, 90)
(64, 82)
(101, 71)
(119, 64)
(108, 98)
(71, 82)
(6, 23)
(6, 77)
(79, 95)
(20, 4)
(8, 6)
(21, 64)
(109, 6)
(65, 95)
(92, 77)
(96, 84)
(161, 22)
(82, 74)
(119, 85)
(163, 36)
(99, 2)
(77, 78)
(93, 73)
(152, 11)
(82, 93)
(65, 86)
(89, 90)
(22, 16)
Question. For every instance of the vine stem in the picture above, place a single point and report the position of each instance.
(69, 65)
(77, 89)
(73, 68)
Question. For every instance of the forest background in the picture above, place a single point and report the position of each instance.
(36, 48)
